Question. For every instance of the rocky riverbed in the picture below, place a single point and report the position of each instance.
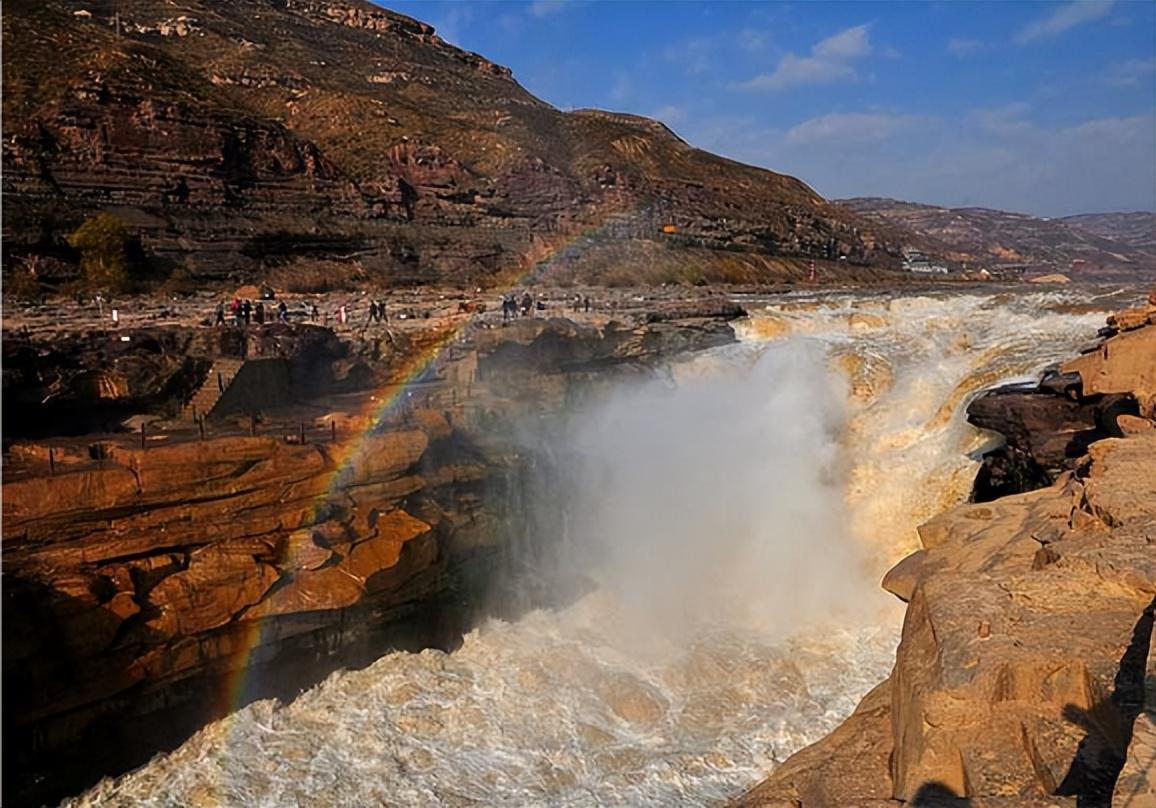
(1025, 671)
(174, 575)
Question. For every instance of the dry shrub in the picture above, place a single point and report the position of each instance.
(103, 242)
(315, 277)
(22, 284)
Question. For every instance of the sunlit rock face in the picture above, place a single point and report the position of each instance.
(729, 526)
(232, 137)
(1024, 671)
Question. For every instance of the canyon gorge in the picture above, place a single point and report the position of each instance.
(562, 462)
(564, 569)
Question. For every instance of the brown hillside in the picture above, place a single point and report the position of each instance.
(234, 135)
(1085, 248)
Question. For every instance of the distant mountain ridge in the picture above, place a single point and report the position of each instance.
(235, 135)
(1136, 229)
(1110, 246)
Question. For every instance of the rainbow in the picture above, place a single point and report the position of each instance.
(240, 686)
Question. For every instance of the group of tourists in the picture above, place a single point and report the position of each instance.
(511, 308)
(377, 312)
(245, 312)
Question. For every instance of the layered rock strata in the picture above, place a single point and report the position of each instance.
(233, 136)
(153, 587)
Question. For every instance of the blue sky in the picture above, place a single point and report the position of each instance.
(1041, 107)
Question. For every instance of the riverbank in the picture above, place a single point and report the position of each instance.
(1024, 674)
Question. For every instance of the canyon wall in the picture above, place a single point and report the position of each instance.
(156, 584)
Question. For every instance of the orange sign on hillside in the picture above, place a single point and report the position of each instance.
(668, 228)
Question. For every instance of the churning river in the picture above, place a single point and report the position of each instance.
(737, 517)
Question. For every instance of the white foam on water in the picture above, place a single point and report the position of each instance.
(737, 520)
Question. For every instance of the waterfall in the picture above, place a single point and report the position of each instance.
(736, 519)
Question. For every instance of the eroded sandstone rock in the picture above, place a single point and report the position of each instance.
(1122, 364)
(1021, 676)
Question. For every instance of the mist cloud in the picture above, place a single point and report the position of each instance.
(721, 501)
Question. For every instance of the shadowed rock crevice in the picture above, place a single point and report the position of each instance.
(937, 795)
(1045, 431)
(1109, 724)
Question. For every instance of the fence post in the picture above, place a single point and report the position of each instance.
(51, 461)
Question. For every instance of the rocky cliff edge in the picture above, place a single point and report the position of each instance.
(1025, 674)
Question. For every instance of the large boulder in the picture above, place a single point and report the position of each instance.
(1125, 363)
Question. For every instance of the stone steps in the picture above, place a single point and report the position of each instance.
(221, 375)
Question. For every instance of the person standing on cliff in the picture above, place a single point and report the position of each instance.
(235, 308)
(247, 310)
(527, 304)
(259, 313)
(220, 314)
(282, 312)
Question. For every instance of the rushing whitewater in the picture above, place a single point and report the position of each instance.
(735, 517)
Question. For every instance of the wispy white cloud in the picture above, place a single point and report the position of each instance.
(623, 87)
(844, 46)
(1004, 120)
(1064, 18)
(849, 127)
(1130, 73)
(670, 114)
(962, 47)
(831, 60)
(695, 56)
(544, 8)
(996, 157)
(753, 39)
